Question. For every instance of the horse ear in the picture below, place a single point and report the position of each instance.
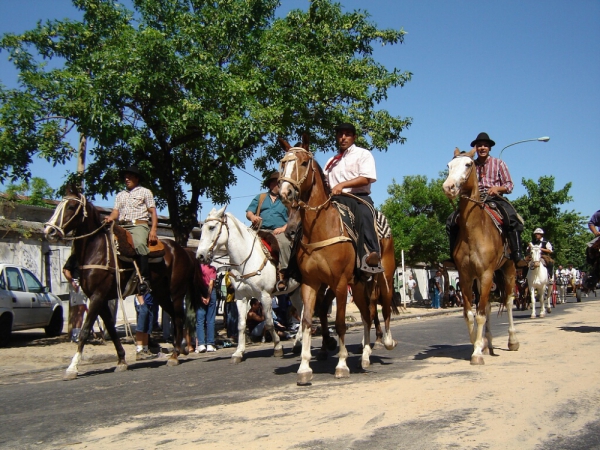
(284, 144)
(221, 211)
(71, 189)
(472, 153)
(456, 152)
(305, 141)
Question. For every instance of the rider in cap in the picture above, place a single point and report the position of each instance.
(352, 171)
(267, 212)
(134, 208)
(495, 181)
(546, 247)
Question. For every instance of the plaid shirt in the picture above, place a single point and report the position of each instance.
(134, 204)
(493, 173)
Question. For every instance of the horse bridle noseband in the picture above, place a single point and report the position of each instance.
(291, 156)
(61, 209)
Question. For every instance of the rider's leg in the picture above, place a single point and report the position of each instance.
(370, 234)
(285, 249)
(452, 232)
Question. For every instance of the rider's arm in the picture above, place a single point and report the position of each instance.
(355, 182)
(152, 237)
(114, 215)
(593, 229)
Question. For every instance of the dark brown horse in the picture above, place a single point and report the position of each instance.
(176, 276)
(327, 259)
(478, 254)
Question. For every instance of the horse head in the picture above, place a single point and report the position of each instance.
(296, 167)
(70, 213)
(536, 256)
(213, 236)
(459, 178)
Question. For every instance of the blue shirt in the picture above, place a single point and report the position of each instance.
(273, 214)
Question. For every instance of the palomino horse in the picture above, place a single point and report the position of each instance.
(326, 258)
(171, 279)
(537, 279)
(253, 274)
(478, 253)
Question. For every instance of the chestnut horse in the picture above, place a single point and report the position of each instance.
(479, 252)
(326, 258)
(175, 276)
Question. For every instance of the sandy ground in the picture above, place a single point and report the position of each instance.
(514, 401)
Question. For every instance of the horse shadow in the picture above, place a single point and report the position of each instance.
(581, 329)
(459, 352)
(136, 365)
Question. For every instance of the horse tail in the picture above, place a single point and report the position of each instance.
(396, 303)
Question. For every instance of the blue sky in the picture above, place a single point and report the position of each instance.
(515, 69)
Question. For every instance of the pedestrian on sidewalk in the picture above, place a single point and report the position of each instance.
(77, 299)
(207, 312)
(411, 284)
(437, 291)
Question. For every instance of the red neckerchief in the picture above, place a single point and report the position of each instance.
(334, 161)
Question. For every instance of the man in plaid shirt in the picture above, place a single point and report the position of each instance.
(133, 208)
(494, 179)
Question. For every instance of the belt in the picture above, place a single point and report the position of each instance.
(133, 222)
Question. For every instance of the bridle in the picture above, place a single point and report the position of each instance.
(223, 223)
(60, 214)
(481, 202)
(291, 156)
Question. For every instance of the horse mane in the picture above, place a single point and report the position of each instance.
(323, 179)
(239, 225)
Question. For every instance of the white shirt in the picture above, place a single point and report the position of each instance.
(355, 162)
(574, 273)
(411, 284)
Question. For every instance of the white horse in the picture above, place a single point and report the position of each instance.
(252, 273)
(537, 278)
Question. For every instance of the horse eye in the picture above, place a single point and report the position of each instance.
(210, 228)
(304, 164)
(469, 164)
(71, 207)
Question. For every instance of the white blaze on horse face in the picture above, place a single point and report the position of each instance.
(458, 171)
(286, 191)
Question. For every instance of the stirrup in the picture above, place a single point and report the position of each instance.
(144, 287)
(282, 285)
(364, 267)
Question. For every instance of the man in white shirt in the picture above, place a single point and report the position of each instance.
(562, 279)
(411, 284)
(352, 171)
(573, 275)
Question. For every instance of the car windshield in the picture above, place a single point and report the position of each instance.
(33, 284)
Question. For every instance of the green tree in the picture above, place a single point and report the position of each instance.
(566, 230)
(417, 211)
(191, 89)
(31, 192)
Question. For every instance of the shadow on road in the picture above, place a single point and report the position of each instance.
(582, 329)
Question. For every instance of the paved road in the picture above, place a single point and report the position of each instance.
(38, 410)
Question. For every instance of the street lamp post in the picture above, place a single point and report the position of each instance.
(540, 139)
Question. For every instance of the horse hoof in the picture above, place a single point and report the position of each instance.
(236, 359)
(331, 344)
(533, 316)
(185, 351)
(69, 376)
(391, 347)
(549, 310)
(322, 355)
(364, 363)
(477, 360)
(513, 347)
(486, 351)
(304, 378)
(377, 345)
(278, 352)
(172, 362)
(297, 349)
(121, 368)
(342, 372)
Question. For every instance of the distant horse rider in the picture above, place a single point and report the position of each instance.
(134, 207)
(546, 247)
(495, 181)
(267, 212)
(353, 171)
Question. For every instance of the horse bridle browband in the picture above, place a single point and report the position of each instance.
(60, 209)
(291, 156)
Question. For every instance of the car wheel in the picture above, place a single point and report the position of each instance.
(5, 329)
(56, 324)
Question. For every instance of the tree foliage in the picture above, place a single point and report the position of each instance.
(566, 230)
(31, 192)
(190, 89)
(417, 211)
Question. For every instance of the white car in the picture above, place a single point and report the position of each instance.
(26, 303)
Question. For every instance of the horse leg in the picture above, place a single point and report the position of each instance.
(533, 300)
(328, 342)
(106, 315)
(378, 344)
(387, 294)
(297, 303)
(178, 319)
(268, 311)
(305, 373)
(488, 348)
(341, 294)
(509, 276)
(541, 296)
(242, 306)
(365, 305)
(485, 285)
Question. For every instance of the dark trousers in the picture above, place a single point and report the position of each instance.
(364, 222)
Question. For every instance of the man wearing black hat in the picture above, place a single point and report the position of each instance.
(267, 212)
(134, 208)
(494, 179)
(352, 171)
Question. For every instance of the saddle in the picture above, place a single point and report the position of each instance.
(126, 251)
(270, 245)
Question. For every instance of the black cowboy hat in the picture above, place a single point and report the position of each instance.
(134, 170)
(273, 176)
(345, 126)
(483, 137)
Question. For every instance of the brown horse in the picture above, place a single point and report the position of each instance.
(175, 276)
(326, 258)
(478, 254)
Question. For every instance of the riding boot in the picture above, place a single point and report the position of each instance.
(144, 266)
(516, 253)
